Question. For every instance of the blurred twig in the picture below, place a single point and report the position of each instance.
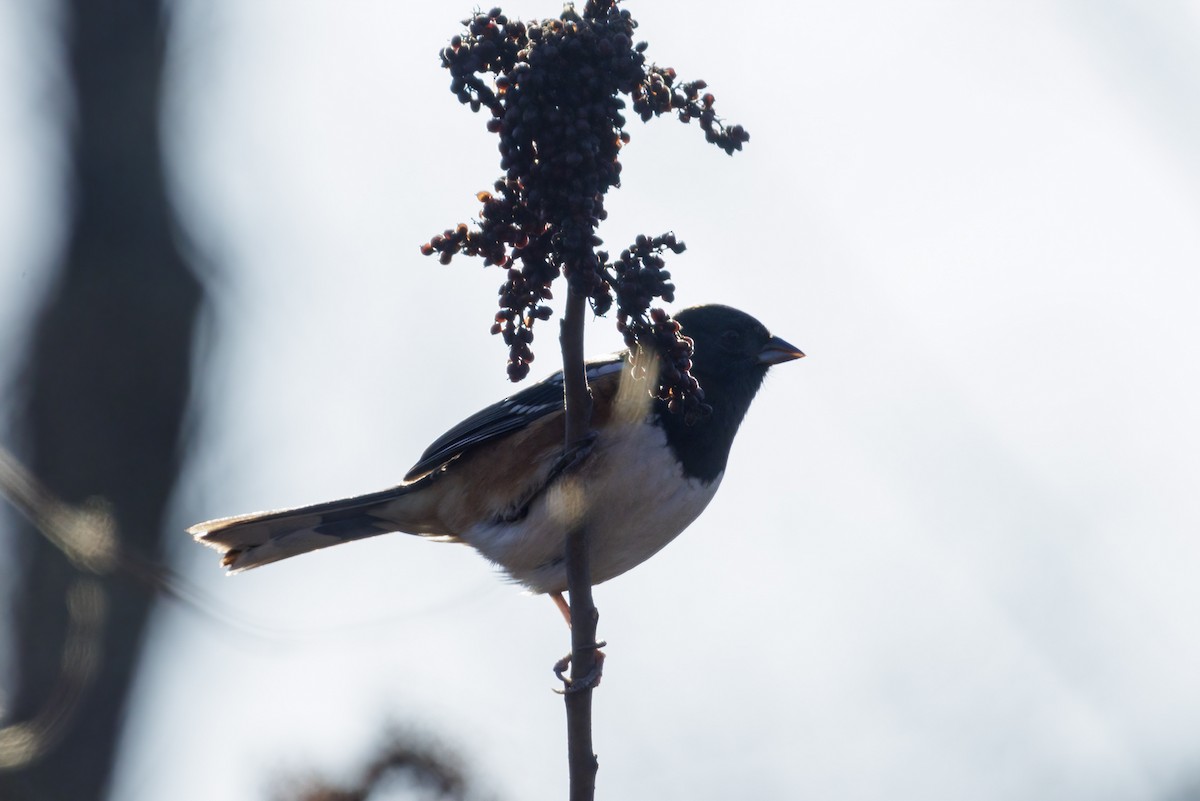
(404, 761)
(87, 538)
(22, 743)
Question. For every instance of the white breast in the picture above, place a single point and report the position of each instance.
(632, 491)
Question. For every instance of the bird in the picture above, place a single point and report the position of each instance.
(499, 481)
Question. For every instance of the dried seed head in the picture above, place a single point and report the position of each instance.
(553, 92)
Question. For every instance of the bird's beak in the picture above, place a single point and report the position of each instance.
(777, 351)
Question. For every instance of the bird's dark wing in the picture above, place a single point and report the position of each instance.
(506, 416)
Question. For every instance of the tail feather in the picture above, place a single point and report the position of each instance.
(252, 540)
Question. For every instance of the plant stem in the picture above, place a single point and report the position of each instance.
(578, 412)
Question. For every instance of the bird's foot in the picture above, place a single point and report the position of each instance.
(588, 681)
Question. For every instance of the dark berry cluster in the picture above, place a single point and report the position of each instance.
(676, 384)
(638, 277)
(658, 95)
(553, 90)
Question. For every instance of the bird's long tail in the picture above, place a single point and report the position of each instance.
(260, 538)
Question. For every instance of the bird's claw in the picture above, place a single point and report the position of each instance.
(589, 681)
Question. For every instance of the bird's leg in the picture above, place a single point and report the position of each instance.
(562, 605)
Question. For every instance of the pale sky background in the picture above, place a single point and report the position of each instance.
(955, 556)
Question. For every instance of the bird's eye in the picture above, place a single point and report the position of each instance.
(731, 340)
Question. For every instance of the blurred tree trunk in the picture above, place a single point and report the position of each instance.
(104, 388)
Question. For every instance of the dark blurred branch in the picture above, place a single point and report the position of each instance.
(103, 391)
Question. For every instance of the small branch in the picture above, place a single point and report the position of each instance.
(578, 397)
(578, 412)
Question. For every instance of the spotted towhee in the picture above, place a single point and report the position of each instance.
(496, 481)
